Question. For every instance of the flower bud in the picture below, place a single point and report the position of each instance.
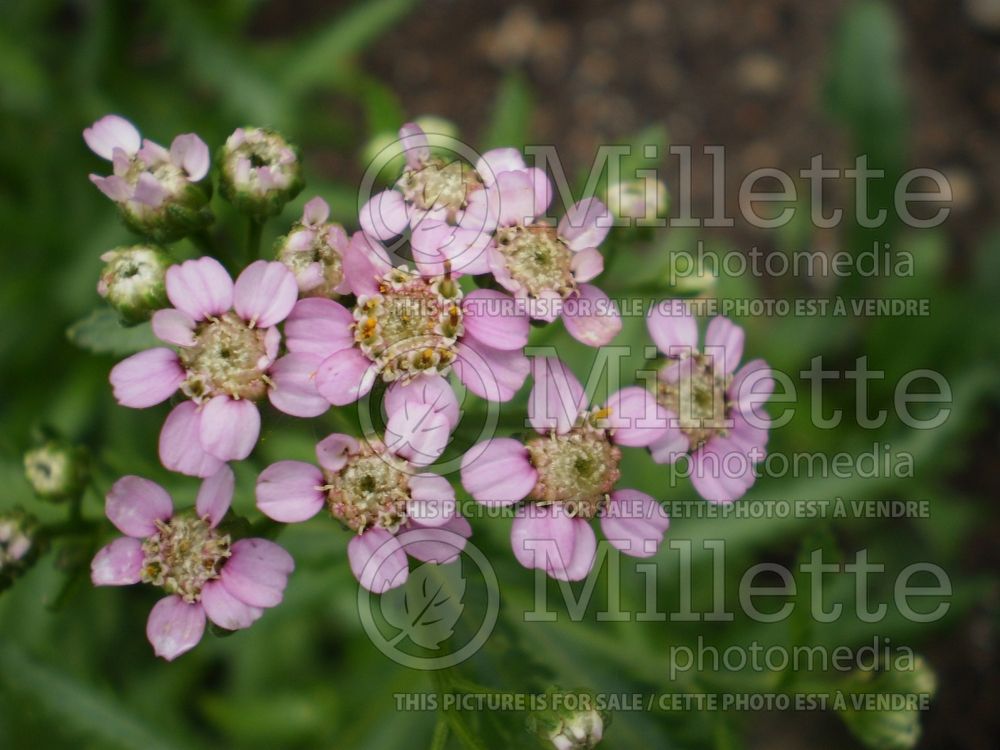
(385, 154)
(133, 281)
(260, 171)
(161, 193)
(570, 721)
(56, 470)
(898, 726)
(314, 252)
(18, 545)
(642, 201)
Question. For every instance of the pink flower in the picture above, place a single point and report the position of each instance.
(153, 187)
(226, 359)
(715, 410)
(202, 570)
(548, 266)
(314, 251)
(569, 473)
(375, 488)
(406, 325)
(450, 206)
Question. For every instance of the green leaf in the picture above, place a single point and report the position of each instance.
(102, 333)
(427, 608)
(323, 59)
(79, 706)
(511, 114)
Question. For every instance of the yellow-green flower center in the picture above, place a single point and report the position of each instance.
(537, 259)
(371, 490)
(226, 359)
(439, 184)
(697, 398)
(577, 469)
(183, 555)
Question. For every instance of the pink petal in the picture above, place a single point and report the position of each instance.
(294, 390)
(190, 153)
(114, 187)
(432, 500)
(672, 327)
(498, 160)
(670, 446)
(149, 191)
(417, 433)
(724, 342)
(225, 610)
(722, 470)
(257, 572)
(345, 377)
(118, 563)
(547, 537)
(200, 287)
(547, 305)
(752, 386)
(517, 201)
(111, 132)
(542, 188)
(384, 216)
(216, 495)
(229, 428)
(414, 143)
(147, 378)
(591, 317)
(175, 627)
(265, 293)
(585, 224)
(495, 319)
(492, 374)
(429, 244)
(288, 491)
(556, 398)
(636, 419)
(498, 472)
(319, 326)
(362, 266)
(333, 451)
(151, 154)
(634, 523)
(180, 443)
(428, 389)
(587, 264)
(174, 327)
(439, 545)
(377, 560)
(134, 505)
(315, 212)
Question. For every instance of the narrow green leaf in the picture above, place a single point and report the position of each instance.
(511, 119)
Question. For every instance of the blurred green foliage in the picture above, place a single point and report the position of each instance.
(75, 667)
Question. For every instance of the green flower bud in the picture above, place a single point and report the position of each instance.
(883, 709)
(182, 212)
(642, 201)
(133, 281)
(260, 171)
(18, 545)
(56, 470)
(570, 720)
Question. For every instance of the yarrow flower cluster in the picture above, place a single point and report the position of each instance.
(439, 287)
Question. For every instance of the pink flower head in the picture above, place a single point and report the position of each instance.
(225, 359)
(548, 266)
(406, 325)
(715, 410)
(202, 570)
(568, 475)
(314, 251)
(152, 186)
(450, 206)
(376, 489)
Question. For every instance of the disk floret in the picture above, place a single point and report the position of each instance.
(229, 357)
(578, 468)
(440, 184)
(183, 555)
(411, 325)
(370, 491)
(260, 171)
(537, 258)
(698, 398)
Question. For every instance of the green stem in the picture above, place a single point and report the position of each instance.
(440, 738)
(255, 229)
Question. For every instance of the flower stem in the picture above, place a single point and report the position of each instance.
(255, 229)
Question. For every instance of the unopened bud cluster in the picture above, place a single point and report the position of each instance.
(18, 545)
(56, 470)
(133, 281)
